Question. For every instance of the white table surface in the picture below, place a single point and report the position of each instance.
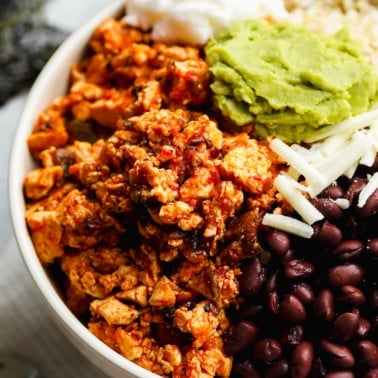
(26, 328)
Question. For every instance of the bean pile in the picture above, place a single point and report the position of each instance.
(312, 309)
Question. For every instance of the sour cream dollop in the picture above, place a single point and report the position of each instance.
(196, 21)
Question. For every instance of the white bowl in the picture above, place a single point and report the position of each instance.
(51, 83)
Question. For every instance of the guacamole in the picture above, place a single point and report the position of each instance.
(286, 80)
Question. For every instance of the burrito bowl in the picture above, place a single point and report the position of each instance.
(170, 238)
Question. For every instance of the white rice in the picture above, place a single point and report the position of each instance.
(329, 16)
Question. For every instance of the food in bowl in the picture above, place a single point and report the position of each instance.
(190, 245)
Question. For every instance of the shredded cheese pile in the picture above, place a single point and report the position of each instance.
(335, 151)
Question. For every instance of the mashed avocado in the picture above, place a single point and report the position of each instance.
(287, 80)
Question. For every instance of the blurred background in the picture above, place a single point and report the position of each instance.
(30, 30)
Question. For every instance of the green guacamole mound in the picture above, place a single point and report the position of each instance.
(286, 80)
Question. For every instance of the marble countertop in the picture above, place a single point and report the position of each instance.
(26, 329)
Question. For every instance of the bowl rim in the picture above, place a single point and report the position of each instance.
(47, 82)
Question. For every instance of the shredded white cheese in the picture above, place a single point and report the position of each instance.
(295, 183)
(329, 145)
(288, 224)
(351, 124)
(335, 151)
(311, 155)
(313, 176)
(339, 163)
(297, 200)
(368, 190)
(368, 158)
(349, 173)
(343, 203)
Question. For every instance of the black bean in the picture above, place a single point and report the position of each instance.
(333, 191)
(301, 360)
(327, 234)
(251, 311)
(348, 274)
(273, 302)
(348, 249)
(329, 208)
(267, 350)
(368, 354)
(372, 373)
(292, 336)
(303, 292)
(351, 226)
(363, 328)
(277, 241)
(354, 190)
(374, 298)
(279, 370)
(351, 295)
(370, 208)
(324, 308)
(372, 247)
(288, 256)
(340, 374)
(345, 326)
(271, 282)
(245, 369)
(337, 355)
(292, 309)
(318, 368)
(374, 327)
(295, 269)
(252, 276)
(239, 337)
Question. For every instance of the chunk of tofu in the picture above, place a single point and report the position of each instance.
(114, 311)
